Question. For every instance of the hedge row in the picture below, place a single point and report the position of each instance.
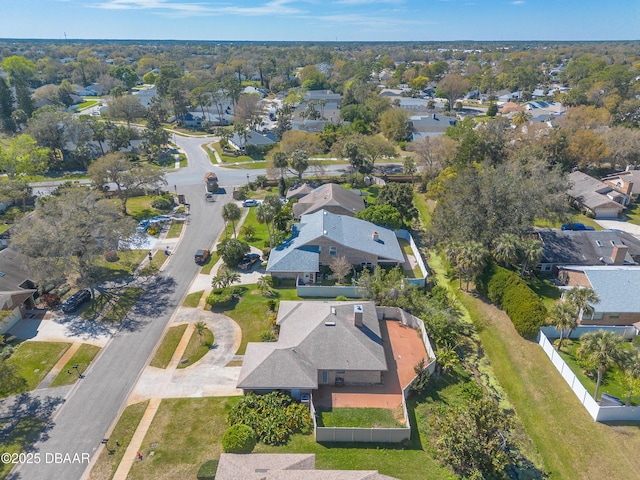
(507, 290)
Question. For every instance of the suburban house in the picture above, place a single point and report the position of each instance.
(330, 197)
(320, 343)
(431, 125)
(299, 191)
(617, 287)
(586, 247)
(322, 236)
(239, 142)
(602, 200)
(284, 466)
(627, 181)
(16, 289)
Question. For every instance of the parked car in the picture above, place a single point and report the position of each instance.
(250, 203)
(72, 303)
(576, 227)
(248, 261)
(201, 256)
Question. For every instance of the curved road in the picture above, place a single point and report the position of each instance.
(95, 401)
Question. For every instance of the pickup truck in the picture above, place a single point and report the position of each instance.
(202, 255)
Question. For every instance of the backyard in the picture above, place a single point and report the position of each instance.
(360, 418)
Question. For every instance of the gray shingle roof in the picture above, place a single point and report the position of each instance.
(314, 338)
(591, 192)
(326, 195)
(341, 229)
(585, 247)
(618, 287)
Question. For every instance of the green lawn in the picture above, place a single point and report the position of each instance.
(612, 383)
(157, 261)
(573, 217)
(175, 229)
(260, 237)
(210, 263)
(87, 104)
(545, 289)
(128, 261)
(19, 440)
(35, 359)
(421, 203)
(168, 346)
(192, 299)
(126, 299)
(250, 312)
(633, 214)
(187, 432)
(358, 417)
(406, 248)
(107, 464)
(83, 357)
(226, 158)
(140, 207)
(196, 348)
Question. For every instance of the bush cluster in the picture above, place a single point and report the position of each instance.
(165, 202)
(239, 438)
(208, 470)
(274, 417)
(507, 290)
(222, 297)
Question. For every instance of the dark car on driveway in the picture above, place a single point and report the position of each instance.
(72, 303)
(248, 261)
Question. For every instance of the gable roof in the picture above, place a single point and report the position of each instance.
(282, 466)
(592, 192)
(618, 287)
(314, 336)
(630, 175)
(299, 251)
(299, 191)
(585, 247)
(329, 194)
(13, 273)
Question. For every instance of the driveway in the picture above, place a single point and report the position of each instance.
(620, 225)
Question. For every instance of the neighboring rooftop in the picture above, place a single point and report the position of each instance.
(272, 466)
(13, 271)
(329, 196)
(593, 193)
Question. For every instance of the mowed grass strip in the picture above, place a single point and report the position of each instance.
(570, 443)
(168, 345)
(175, 229)
(210, 263)
(193, 299)
(107, 464)
(83, 358)
(196, 348)
(359, 418)
(126, 299)
(188, 432)
(34, 360)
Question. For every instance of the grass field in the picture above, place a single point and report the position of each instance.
(83, 358)
(633, 214)
(574, 217)
(358, 417)
(128, 261)
(210, 263)
(421, 203)
(196, 348)
(107, 464)
(157, 260)
(34, 360)
(168, 345)
(175, 229)
(250, 312)
(260, 236)
(20, 440)
(192, 299)
(140, 207)
(126, 299)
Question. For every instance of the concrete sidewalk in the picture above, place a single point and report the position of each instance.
(57, 368)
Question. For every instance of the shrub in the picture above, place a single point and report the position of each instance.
(207, 470)
(220, 297)
(239, 438)
(341, 298)
(50, 300)
(111, 256)
(164, 202)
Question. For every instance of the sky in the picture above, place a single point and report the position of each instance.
(322, 20)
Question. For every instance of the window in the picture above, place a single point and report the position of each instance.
(319, 248)
(333, 251)
(613, 315)
(341, 372)
(596, 316)
(325, 377)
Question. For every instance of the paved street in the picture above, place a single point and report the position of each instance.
(95, 401)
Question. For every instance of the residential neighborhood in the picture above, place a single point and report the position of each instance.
(335, 260)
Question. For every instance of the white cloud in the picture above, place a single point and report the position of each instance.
(367, 2)
(518, 2)
(273, 7)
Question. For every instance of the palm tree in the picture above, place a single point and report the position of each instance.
(521, 118)
(505, 249)
(530, 253)
(563, 317)
(264, 214)
(200, 326)
(231, 213)
(582, 300)
(471, 258)
(228, 276)
(601, 349)
(632, 375)
(281, 162)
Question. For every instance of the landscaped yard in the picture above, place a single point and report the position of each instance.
(612, 383)
(359, 417)
(210, 263)
(128, 261)
(107, 464)
(260, 237)
(116, 313)
(406, 248)
(633, 214)
(168, 345)
(192, 299)
(545, 289)
(140, 207)
(574, 217)
(251, 314)
(196, 348)
(175, 229)
(153, 267)
(83, 358)
(35, 359)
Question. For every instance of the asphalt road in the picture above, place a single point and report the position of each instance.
(89, 409)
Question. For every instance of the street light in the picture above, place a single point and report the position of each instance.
(247, 178)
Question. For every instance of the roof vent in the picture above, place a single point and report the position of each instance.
(329, 324)
(375, 236)
(333, 310)
(324, 232)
